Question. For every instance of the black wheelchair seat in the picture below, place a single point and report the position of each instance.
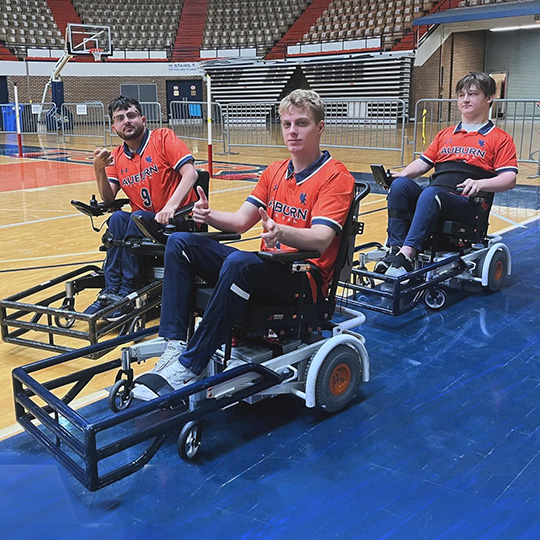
(455, 235)
(300, 315)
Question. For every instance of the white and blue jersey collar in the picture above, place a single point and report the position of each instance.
(309, 171)
(484, 130)
(129, 154)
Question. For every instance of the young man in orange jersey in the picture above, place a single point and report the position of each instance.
(302, 203)
(155, 170)
(470, 157)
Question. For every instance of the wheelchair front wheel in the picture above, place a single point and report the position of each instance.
(189, 440)
(337, 379)
(120, 396)
(435, 298)
(65, 321)
(136, 324)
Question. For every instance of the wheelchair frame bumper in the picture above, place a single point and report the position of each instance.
(397, 295)
(97, 447)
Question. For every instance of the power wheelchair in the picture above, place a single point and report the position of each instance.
(45, 316)
(311, 351)
(454, 254)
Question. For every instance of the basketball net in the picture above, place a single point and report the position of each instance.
(97, 52)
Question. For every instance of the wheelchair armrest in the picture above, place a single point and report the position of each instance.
(289, 256)
(96, 209)
(116, 204)
(221, 236)
(92, 209)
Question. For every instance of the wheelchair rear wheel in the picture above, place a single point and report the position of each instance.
(338, 378)
(497, 270)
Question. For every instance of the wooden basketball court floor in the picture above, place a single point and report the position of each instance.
(443, 442)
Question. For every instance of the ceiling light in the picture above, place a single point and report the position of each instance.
(508, 28)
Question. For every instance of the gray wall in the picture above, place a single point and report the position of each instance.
(516, 53)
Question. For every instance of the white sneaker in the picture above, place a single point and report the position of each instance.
(171, 354)
(142, 392)
(178, 375)
(234, 362)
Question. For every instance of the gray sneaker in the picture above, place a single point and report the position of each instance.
(178, 376)
(171, 354)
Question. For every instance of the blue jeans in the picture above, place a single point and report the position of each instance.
(121, 267)
(413, 211)
(235, 275)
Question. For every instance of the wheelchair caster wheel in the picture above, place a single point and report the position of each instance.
(435, 298)
(136, 324)
(120, 396)
(338, 379)
(189, 440)
(364, 281)
(65, 321)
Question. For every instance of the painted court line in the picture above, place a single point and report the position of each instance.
(45, 257)
(37, 221)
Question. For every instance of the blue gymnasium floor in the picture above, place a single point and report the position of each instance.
(442, 443)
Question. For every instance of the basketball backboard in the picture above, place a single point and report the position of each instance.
(83, 39)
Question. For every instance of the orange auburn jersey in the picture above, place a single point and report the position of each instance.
(150, 175)
(490, 148)
(318, 195)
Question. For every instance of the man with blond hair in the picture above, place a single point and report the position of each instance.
(302, 202)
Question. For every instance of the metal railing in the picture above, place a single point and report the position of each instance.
(374, 124)
(83, 120)
(152, 112)
(189, 120)
(518, 117)
(34, 118)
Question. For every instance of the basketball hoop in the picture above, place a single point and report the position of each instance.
(97, 52)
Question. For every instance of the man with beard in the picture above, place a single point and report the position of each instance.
(156, 172)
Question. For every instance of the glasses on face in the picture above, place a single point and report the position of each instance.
(131, 115)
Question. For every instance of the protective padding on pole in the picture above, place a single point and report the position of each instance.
(209, 114)
(18, 120)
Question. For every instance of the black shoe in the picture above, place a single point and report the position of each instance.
(101, 302)
(119, 313)
(384, 264)
(400, 264)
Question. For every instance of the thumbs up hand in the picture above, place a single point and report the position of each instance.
(201, 209)
(271, 232)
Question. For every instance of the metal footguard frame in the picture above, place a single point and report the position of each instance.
(80, 438)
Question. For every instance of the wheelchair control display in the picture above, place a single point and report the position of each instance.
(382, 176)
